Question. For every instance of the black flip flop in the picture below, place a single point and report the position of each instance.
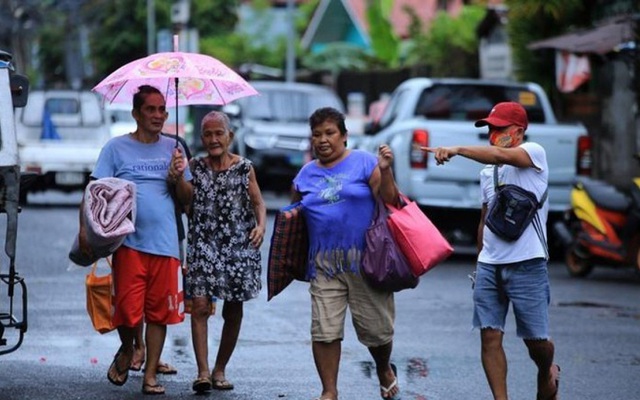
(119, 372)
(201, 385)
(557, 382)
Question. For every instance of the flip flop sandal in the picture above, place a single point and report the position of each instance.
(136, 367)
(387, 389)
(119, 373)
(166, 369)
(201, 385)
(553, 396)
(156, 389)
(222, 384)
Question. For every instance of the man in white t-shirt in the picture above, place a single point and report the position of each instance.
(511, 271)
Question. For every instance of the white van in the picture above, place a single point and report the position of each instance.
(60, 134)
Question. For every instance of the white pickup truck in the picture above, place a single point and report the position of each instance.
(442, 112)
(60, 134)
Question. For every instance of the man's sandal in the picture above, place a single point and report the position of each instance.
(121, 375)
(554, 395)
(149, 389)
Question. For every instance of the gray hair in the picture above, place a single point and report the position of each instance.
(216, 116)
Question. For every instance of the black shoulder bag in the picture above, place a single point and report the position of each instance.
(512, 210)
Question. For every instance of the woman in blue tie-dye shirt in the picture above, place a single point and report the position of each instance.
(338, 191)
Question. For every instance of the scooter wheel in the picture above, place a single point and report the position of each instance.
(577, 266)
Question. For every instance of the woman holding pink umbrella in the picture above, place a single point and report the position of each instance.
(146, 268)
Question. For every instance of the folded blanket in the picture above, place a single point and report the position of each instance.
(109, 215)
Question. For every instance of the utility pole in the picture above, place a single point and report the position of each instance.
(180, 14)
(151, 27)
(291, 43)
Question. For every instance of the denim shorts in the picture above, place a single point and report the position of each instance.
(524, 284)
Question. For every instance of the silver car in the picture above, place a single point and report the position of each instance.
(272, 129)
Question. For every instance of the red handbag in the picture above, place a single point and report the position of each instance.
(419, 240)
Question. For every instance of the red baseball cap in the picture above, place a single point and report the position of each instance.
(505, 114)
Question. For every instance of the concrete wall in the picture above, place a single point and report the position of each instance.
(619, 138)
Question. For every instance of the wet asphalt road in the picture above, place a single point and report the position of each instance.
(595, 323)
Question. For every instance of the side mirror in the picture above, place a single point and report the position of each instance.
(371, 128)
(19, 90)
(232, 110)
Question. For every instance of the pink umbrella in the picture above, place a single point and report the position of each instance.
(183, 78)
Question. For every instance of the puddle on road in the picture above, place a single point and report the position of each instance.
(415, 368)
(618, 311)
(411, 371)
(585, 304)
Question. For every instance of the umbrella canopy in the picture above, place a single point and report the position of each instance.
(183, 78)
(200, 79)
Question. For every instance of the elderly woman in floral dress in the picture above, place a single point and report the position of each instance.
(227, 222)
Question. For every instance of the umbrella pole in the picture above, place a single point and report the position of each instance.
(176, 79)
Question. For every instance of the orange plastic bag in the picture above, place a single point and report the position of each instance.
(99, 302)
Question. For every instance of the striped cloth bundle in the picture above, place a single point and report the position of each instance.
(288, 251)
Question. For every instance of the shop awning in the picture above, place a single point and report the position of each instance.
(599, 40)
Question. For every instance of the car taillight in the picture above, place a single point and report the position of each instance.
(33, 168)
(584, 159)
(418, 157)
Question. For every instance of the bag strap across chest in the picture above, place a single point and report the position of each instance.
(537, 225)
(496, 185)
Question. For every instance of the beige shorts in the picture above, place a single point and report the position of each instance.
(372, 311)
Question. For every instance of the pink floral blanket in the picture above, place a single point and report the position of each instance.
(108, 214)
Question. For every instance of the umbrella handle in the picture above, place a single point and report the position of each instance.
(176, 79)
(175, 48)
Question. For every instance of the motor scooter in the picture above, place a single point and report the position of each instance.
(602, 227)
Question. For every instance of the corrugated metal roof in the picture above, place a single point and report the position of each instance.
(600, 40)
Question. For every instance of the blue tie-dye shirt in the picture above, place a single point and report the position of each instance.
(338, 206)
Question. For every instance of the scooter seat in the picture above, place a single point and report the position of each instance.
(604, 195)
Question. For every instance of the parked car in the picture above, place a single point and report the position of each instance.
(119, 115)
(272, 128)
(60, 134)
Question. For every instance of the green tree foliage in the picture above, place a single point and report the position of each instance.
(450, 46)
(120, 37)
(338, 56)
(51, 55)
(305, 13)
(384, 42)
(118, 29)
(532, 20)
(235, 49)
(214, 17)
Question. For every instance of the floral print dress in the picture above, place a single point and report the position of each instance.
(220, 258)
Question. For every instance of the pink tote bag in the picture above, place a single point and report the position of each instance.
(420, 241)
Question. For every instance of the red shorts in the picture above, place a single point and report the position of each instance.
(148, 286)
